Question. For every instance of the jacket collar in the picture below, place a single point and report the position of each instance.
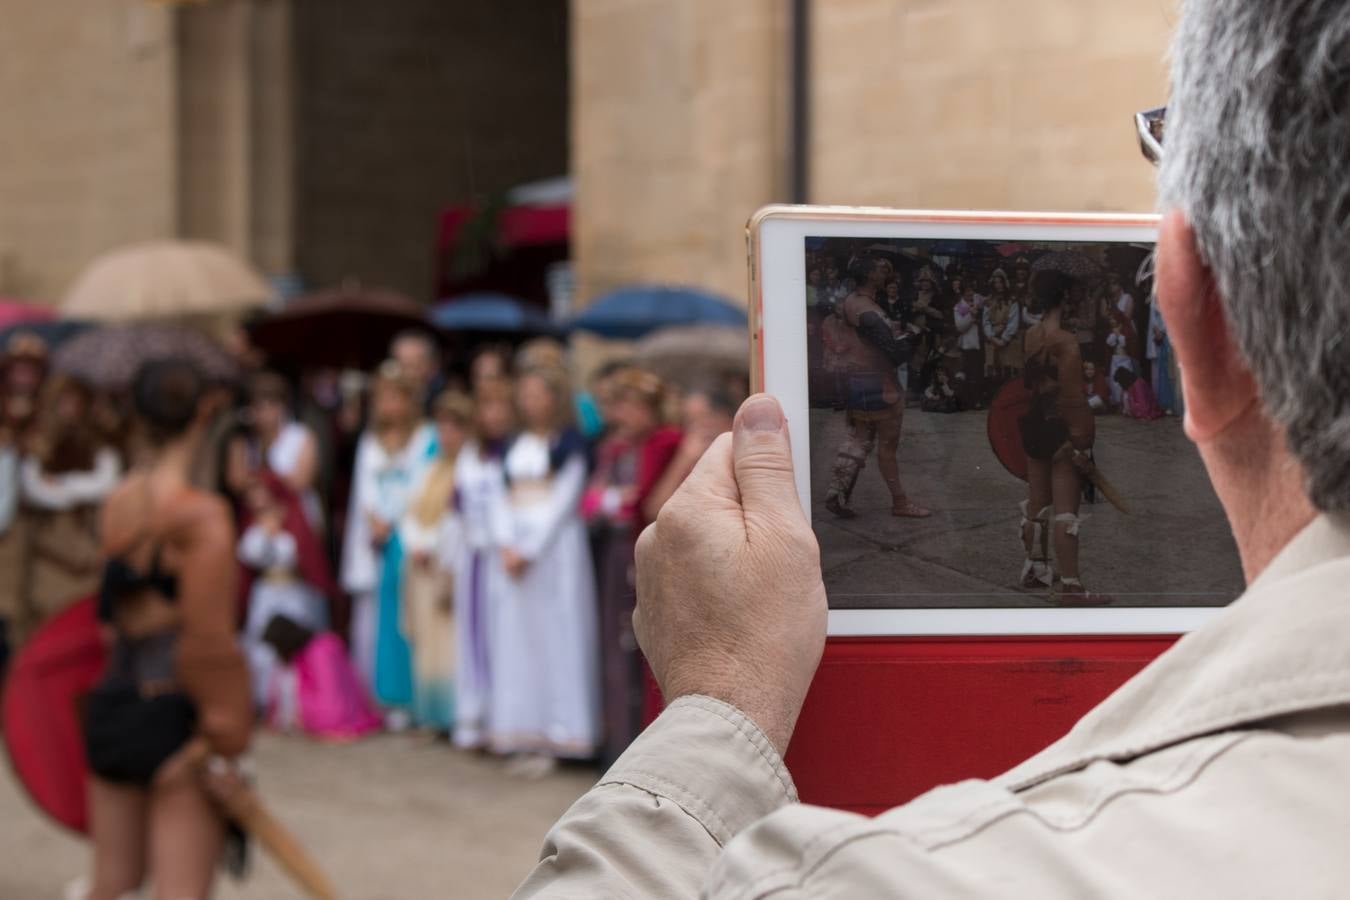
(1282, 647)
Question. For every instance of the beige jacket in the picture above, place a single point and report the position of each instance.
(1221, 770)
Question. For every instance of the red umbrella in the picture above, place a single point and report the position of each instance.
(43, 693)
(21, 312)
(349, 326)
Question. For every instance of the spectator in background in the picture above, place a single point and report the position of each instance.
(931, 320)
(286, 573)
(418, 355)
(544, 674)
(491, 362)
(940, 396)
(393, 452)
(70, 468)
(1021, 294)
(23, 366)
(1121, 344)
(480, 574)
(705, 413)
(630, 462)
(430, 534)
(282, 445)
(1159, 354)
(10, 610)
(966, 315)
(1094, 387)
(1002, 330)
(1117, 298)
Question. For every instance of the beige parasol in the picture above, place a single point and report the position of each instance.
(165, 280)
(687, 352)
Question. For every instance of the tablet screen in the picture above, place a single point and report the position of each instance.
(998, 424)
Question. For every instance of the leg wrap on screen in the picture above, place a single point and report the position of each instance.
(1071, 523)
(844, 474)
(1036, 571)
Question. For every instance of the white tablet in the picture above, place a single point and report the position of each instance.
(986, 422)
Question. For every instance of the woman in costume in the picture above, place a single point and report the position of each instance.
(1057, 435)
(1002, 324)
(629, 465)
(967, 312)
(393, 453)
(545, 680)
(176, 684)
(431, 543)
(289, 573)
(70, 467)
(284, 446)
(480, 575)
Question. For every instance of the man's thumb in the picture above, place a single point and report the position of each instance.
(763, 459)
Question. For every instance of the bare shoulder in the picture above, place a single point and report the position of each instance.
(196, 516)
(124, 514)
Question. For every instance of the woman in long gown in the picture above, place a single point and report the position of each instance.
(390, 460)
(1003, 345)
(545, 681)
(485, 530)
(430, 536)
(1057, 434)
(629, 466)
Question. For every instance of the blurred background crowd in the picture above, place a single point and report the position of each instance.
(964, 305)
(436, 518)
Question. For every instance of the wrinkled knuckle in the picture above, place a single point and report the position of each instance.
(769, 458)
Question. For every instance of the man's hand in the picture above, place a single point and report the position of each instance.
(730, 601)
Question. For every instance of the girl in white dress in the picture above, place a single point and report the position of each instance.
(485, 529)
(276, 557)
(545, 691)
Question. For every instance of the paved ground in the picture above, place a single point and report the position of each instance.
(1175, 550)
(391, 818)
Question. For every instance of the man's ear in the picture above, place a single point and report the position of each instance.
(1217, 384)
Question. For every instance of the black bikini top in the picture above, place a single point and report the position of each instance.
(121, 580)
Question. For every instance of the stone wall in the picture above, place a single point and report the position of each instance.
(680, 117)
(406, 107)
(678, 132)
(87, 137)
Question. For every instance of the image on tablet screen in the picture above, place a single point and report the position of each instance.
(999, 424)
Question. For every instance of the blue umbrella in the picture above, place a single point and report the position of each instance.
(631, 312)
(489, 311)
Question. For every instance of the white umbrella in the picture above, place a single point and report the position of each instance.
(165, 279)
(686, 352)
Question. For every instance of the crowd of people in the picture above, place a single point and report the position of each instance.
(967, 324)
(415, 548)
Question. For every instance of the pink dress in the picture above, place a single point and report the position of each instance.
(321, 693)
(1140, 403)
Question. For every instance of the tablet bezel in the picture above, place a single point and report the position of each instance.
(776, 243)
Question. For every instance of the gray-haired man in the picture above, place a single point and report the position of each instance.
(1223, 770)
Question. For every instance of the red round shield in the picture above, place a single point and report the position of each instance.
(43, 691)
(1011, 403)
